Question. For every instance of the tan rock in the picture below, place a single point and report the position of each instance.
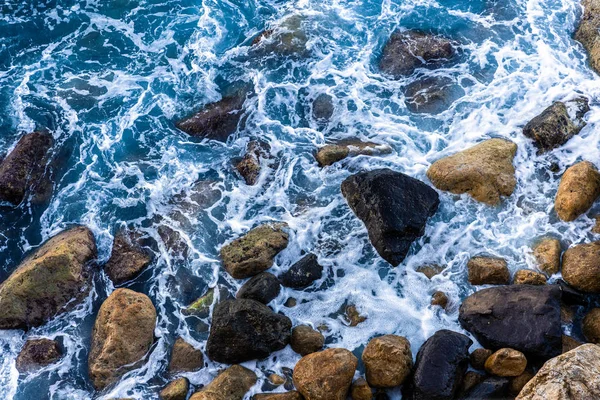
(276, 380)
(518, 382)
(572, 375)
(353, 316)
(293, 395)
(581, 267)
(122, 335)
(596, 227)
(388, 361)
(569, 343)
(185, 358)
(430, 270)
(587, 32)
(579, 188)
(360, 390)
(488, 271)
(439, 299)
(547, 254)
(528, 277)
(333, 153)
(484, 171)
(506, 362)
(231, 384)
(478, 358)
(306, 340)
(326, 375)
(591, 326)
(176, 390)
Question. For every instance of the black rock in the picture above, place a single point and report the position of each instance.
(557, 124)
(492, 388)
(38, 353)
(263, 288)
(523, 317)
(432, 95)
(243, 330)
(303, 273)
(440, 367)
(322, 107)
(22, 171)
(393, 206)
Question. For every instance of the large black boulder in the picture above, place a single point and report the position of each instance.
(303, 273)
(522, 317)
(393, 206)
(441, 364)
(243, 330)
(263, 288)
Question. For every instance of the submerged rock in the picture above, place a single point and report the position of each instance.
(231, 384)
(322, 107)
(488, 271)
(305, 340)
(393, 206)
(243, 330)
(51, 280)
(430, 270)
(490, 388)
(581, 267)
(352, 316)
(176, 390)
(326, 375)
(250, 165)
(557, 124)
(263, 288)
(408, 50)
(579, 188)
(573, 375)
(591, 326)
(547, 254)
(484, 171)
(185, 357)
(254, 252)
(528, 277)
(522, 317)
(127, 259)
(587, 32)
(388, 361)
(38, 353)
(201, 306)
(22, 170)
(122, 336)
(439, 298)
(432, 95)
(332, 153)
(506, 362)
(303, 273)
(286, 40)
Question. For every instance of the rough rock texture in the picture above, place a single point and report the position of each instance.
(547, 254)
(352, 316)
(201, 306)
(557, 124)
(394, 208)
(528, 277)
(408, 50)
(127, 258)
(250, 165)
(441, 364)
(478, 358)
(591, 326)
(263, 288)
(439, 299)
(254, 252)
(388, 361)
(37, 353)
(231, 384)
(22, 170)
(430, 270)
(573, 375)
(325, 375)
(579, 188)
(122, 335)
(506, 362)
(581, 267)
(243, 330)
(305, 340)
(185, 357)
(587, 32)
(484, 171)
(490, 388)
(360, 390)
(53, 278)
(488, 271)
(432, 94)
(176, 390)
(322, 107)
(303, 273)
(287, 40)
(518, 382)
(293, 395)
(522, 317)
(332, 153)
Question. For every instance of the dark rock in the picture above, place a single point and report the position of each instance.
(263, 288)
(394, 208)
(478, 358)
(250, 165)
(38, 353)
(409, 50)
(287, 40)
(305, 340)
(522, 317)
(22, 171)
(127, 258)
(557, 124)
(334, 152)
(185, 357)
(322, 107)
(303, 273)
(244, 330)
(470, 380)
(432, 95)
(490, 388)
(441, 364)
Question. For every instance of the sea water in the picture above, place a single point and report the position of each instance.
(109, 78)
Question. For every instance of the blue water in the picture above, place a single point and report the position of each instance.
(109, 78)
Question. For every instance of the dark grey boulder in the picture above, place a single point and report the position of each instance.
(522, 317)
(128, 258)
(394, 208)
(322, 107)
(432, 95)
(491, 388)
(303, 273)
(243, 330)
(38, 353)
(263, 288)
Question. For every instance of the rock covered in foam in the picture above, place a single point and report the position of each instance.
(579, 188)
(249, 166)
(432, 94)
(332, 153)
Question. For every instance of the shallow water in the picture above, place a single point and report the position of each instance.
(109, 78)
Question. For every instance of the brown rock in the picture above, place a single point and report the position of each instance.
(185, 358)
(37, 353)
(488, 271)
(579, 188)
(352, 316)
(333, 153)
(439, 299)
(547, 254)
(122, 335)
(470, 380)
(293, 395)
(484, 171)
(325, 375)
(591, 326)
(528, 277)
(478, 358)
(568, 343)
(176, 390)
(581, 267)
(587, 32)
(388, 361)
(360, 390)
(306, 340)
(506, 362)
(596, 227)
(430, 270)
(518, 382)
(231, 384)
(276, 380)
(249, 167)
(127, 258)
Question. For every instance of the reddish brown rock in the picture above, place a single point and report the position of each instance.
(388, 361)
(360, 390)
(506, 362)
(439, 299)
(185, 358)
(579, 188)
(488, 271)
(127, 259)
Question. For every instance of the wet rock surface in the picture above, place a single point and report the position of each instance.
(263, 288)
(587, 31)
(528, 277)
(289, 39)
(231, 384)
(478, 358)
(176, 390)
(303, 273)
(432, 95)
(547, 254)
(591, 326)
(581, 267)
(322, 107)
(332, 153)
(305, 340)
(579, 188)
(506, 362)
(490, 388)
(249, 166)
(360, 390)
(293, 395)
(488, 271)
(388, 361)
(127, 259)
(38, 353)
(185, 357)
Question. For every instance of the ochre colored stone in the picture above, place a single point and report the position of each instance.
(506, 362)
(547, 254)
(488, 271)
(591, 326)
(360, 390)
(587, 32)
(581, 267)
(439, 299)
(528, 277)
(185, 358)
(306, 340)
(176, 390)
(352, 316)
(579, 188)
(388, 361)
(231, 384)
